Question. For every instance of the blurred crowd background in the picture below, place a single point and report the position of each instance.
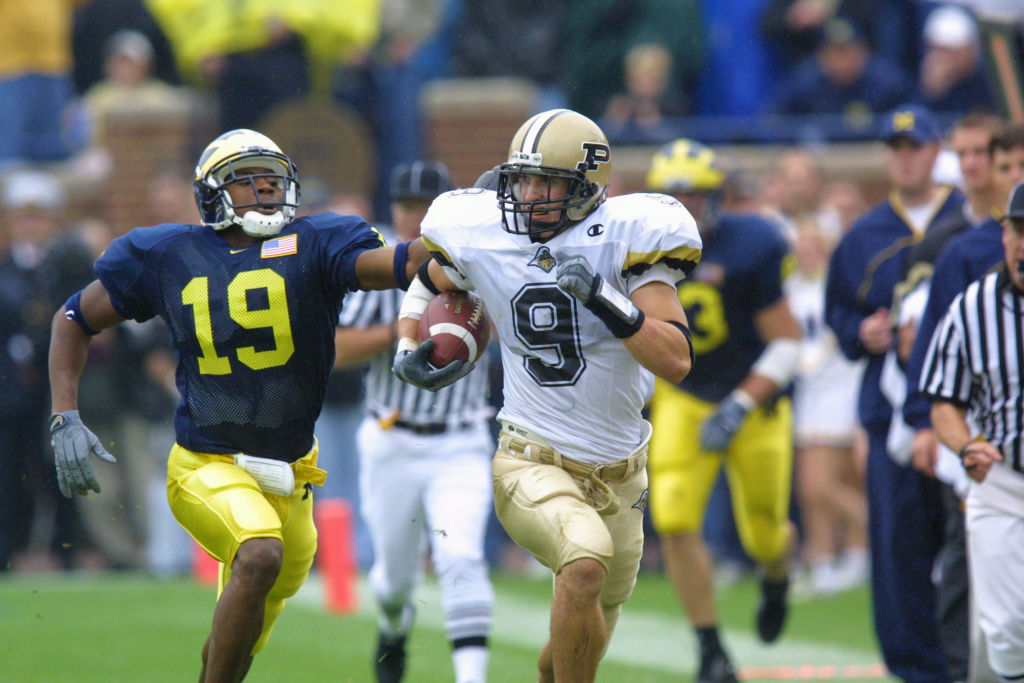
(105, 104)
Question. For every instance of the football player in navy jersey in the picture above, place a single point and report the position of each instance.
(729, 411)
(252, 298)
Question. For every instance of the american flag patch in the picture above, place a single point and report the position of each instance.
(282, 246)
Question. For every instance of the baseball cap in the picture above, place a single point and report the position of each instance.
(419, 180)
(1015, 207)
(839, 31)
(950, 26)
(130, 43)
(911, 121)
(36, 189)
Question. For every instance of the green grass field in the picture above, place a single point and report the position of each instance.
(124, 628)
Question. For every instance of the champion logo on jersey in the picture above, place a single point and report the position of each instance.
(543, 259)
(595, 230)
(282, 246)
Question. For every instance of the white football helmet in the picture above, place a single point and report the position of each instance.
(556, 144)
(218, 167)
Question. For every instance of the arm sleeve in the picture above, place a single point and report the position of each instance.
(841, 311)
(946, 372)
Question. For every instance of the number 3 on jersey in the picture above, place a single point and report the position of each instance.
(275, 316)
(704, 310)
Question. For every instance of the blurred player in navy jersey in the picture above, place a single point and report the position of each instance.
(582, 292)
(252, 299)
(729, 410)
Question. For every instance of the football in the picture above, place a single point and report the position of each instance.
(459, 325)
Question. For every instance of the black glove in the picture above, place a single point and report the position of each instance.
(414, 368)
(616, 311)
(73, 444)
(718, 430)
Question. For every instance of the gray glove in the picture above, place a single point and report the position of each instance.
(73, 444)
(414, 368)
(718, 430)
(576, 277)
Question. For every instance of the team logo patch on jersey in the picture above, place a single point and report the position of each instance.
(641, 503)
(543, 259)
(281, 246)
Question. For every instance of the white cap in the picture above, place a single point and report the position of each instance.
(38, 189)
(950, 26)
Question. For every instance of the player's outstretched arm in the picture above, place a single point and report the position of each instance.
(390, 267)
(73, 443)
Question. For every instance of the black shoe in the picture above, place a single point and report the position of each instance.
(390, 661)
(716, 668)
(771, 612)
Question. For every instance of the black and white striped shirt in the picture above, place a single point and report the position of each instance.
(976, 361)
(389, 398)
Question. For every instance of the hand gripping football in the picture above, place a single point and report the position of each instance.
(458, 324)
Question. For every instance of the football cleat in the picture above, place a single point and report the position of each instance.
(389, 663)
(772, 610)
(715, 667)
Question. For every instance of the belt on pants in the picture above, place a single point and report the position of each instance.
(613, 471)
(593, 477)
(420, 428)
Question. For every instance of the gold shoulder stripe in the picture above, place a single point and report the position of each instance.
(682, 258)
(439, 254)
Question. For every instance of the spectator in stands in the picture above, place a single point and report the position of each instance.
(128, 82)
(597, 34)
(40, 266)
(793, 27)
(520, 39)
(642, 112)
(93, 25)
(952, 75)
(256, 54)
(843, 77)
(35, 79)
(385, 82)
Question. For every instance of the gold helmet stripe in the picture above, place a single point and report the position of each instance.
(532, 138)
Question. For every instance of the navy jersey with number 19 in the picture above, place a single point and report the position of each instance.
(253, 327)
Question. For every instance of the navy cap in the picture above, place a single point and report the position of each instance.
(839, 31)
(419, 180)
(912, 121)
(1015, 207)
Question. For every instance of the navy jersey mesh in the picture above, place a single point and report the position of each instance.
(739, 275)
(254, 333)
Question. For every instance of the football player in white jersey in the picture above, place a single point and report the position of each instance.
(581, 289)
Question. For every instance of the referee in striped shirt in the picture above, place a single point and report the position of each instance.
(974, 376)
(425, 466)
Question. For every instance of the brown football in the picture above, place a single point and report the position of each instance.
(458, 324)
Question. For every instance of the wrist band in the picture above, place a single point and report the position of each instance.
(399, 264)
